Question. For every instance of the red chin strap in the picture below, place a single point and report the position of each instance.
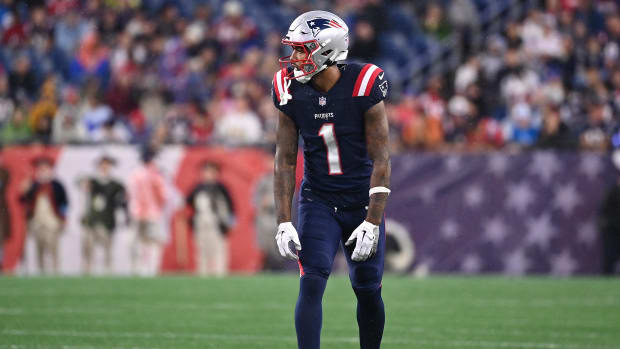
(307, 65)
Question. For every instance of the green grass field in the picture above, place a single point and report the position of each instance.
(257, 312)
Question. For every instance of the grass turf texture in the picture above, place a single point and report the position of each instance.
(257, 312)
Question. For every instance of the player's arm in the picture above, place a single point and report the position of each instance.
(285, 166)
(376, 127)
(287, 139)
(366, 235)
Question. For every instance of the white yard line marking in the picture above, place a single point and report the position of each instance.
(238, 338)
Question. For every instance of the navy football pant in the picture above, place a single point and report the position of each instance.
(322, 229)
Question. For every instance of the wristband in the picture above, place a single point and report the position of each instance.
(375, 190)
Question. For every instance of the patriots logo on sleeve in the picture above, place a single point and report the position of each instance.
(318, 24)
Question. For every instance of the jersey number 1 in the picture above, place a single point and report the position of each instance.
(333, 153)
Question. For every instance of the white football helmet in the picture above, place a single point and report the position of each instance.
(324, 38)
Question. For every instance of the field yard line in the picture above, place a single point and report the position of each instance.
(277, 339)
(496, 332)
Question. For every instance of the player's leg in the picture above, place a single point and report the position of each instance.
(87, 249)
(54, 240)
(202, 247)
(366, 282)
(319, 234)
(105, 238)
(40, 247)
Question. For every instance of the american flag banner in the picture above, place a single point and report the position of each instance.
(505, 213)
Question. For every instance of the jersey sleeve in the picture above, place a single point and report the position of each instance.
(278, 90)
(371, 86)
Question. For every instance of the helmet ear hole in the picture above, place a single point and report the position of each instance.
(327, 53)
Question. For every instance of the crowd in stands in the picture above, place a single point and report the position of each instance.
(199, 72)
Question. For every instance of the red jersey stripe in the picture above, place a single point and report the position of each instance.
(371, 81)
(360, 77)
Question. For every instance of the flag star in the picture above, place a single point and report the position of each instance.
(474, 196)
(471, 264)
(427, 194)
(540, 231)
(424, 267)
(498, 164)
(520, 196)
(516, 263)
(312, 23)
(590, 165)
(449, 230)
(545, 165)
(566, 198)
(586, 233)
(454, 163)
(495, 230)
(563, 264)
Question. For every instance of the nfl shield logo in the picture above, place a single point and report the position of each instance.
(322, 101)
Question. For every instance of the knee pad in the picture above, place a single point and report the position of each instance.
(365, 277)
(311, 287)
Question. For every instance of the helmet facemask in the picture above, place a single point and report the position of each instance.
(303, 69)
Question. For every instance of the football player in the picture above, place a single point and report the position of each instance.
(338, 110)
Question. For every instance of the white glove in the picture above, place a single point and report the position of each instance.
(287, 233)
(367, 235)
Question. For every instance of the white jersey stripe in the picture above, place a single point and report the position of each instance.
(279, 83)
(367, 76)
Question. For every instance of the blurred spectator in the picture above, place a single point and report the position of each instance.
(461, 120)
(112, 131)
(7, 107)
(463, 17)
(22, 80)
(522, 129)
(105, 197)
(434, 107)
(375, 12)
(122, 95)
(467, 74)
(43, 112)
(46, 202)
(147, 199)
(16, 130)
(90, 61)
(595, 134)
(96, 114)
(212, 217)
(5, 217)
(238, 125)
(14, 32)
(70, 29)
(68, 127)
(513, 36)
(366, 45)
(435, 23)
(234, 29)
(555, 134)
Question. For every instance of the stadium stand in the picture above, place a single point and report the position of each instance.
(465, 74)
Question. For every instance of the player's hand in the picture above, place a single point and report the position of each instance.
(287, 233)
(367, 236)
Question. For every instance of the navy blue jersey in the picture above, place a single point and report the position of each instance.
(336, 163)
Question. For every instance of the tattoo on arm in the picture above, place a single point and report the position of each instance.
(376, 126)
(285, 165)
